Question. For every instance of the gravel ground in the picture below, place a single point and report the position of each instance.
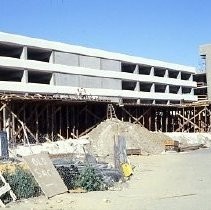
(174, 181)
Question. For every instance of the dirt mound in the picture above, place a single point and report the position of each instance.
(137, 137)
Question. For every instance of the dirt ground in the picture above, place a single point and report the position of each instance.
(168, 181)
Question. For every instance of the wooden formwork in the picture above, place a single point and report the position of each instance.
(35, 120)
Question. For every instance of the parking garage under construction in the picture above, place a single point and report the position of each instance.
(50, 89)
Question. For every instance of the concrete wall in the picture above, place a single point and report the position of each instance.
(205, 50)
(87, 62)
(114, 66)
(66, 58)
(67, 80)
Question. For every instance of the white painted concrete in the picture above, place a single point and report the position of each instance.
(40, 43)
(18, 87)
(49, 67)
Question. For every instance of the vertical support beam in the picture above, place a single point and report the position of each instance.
(152, 71)
(25, 72)
(191, 77)
(25, 76)
(6, 122)
(52, 80)
(179, 75)
(52, 122)
(152, 89)
(167, 89)
(179, 90)
(51, 60)
(47, 121)
(194, 119)
(60, 121)
(67, 121)
(52, 56)
(37, 125)
(150, 119)
(24, 122)
(166, 73)
(24, 53)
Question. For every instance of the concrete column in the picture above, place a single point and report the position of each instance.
(51, 60)
(179, 75)
(25, 76)
(180, 90)
(25, 72)
(136, 71)
(24, 53)
(137, 88)
(166, 73)
(191, 77)
(152, 89)
(52, 81)
(152, 71)
(167, 89)
(192, 91)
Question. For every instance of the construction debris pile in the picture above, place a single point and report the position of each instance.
(137, 137)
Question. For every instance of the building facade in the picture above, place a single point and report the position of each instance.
(35, 66)
(205, 53)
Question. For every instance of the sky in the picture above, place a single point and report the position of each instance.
(168, 30)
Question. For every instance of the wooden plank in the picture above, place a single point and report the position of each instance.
(133, 151)
(45, 174)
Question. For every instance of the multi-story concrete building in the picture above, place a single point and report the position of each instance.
(36, 66)
(205, 52)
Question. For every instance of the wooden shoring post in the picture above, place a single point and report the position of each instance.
(73, 119)
(6, 120)
(189, 120)
(205, 119)
(21, 122)
(194, 120)
(200, 122)
(179, 120)
(60, 121)
(143, 122)
(131, 116)
(188, 117)
(86, 115)
(203, 122)
(156, 126)
(24, 120)
(167, 117)
(172, 120)
(52, 121)
(150, 119)
(67, 121)
(209, 127)
(37, 125)
(13, 130)
(47, 121)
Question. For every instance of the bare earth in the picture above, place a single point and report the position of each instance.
(166, 182)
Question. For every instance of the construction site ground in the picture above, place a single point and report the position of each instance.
(166, 181)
